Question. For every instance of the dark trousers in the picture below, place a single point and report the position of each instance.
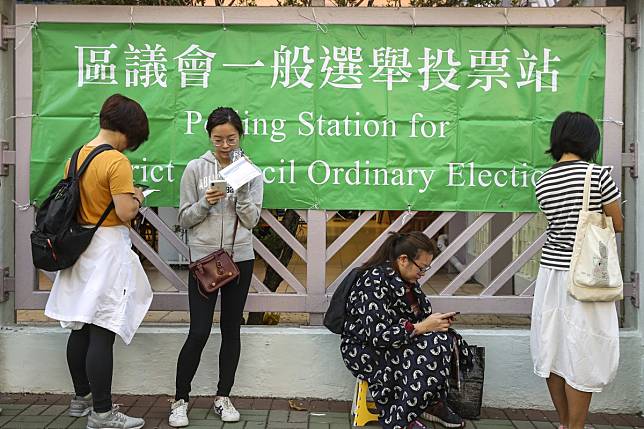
(90, 361)
(233, 299)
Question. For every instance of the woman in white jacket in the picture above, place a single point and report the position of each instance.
(209, 216)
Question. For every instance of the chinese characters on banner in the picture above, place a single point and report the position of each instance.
(343, 67)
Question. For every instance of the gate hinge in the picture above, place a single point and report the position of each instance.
(632, 33)
(7, 157)
(634, 286)
(7, 32)
(629, 159)
(7, 284)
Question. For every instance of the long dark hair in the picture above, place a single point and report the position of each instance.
(401, 243)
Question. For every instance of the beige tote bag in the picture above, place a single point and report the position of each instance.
(595, 274)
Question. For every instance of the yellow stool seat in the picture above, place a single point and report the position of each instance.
(362, 411)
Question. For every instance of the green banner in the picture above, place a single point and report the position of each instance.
(337, 117)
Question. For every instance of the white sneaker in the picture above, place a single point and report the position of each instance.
(113, 419)
(226, 410)
(178, 414)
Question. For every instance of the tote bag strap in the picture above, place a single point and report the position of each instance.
(586, 199)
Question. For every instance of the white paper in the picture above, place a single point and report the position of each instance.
(240, 172)
(148, 192)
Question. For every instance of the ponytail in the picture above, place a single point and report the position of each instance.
(401, 243)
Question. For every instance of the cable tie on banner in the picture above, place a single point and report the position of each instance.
(223, 18)
(601, 14)
(360, 32)
(33, 115)
(413, 20)
(614, 121)
(32, 26)
(507, 20)
(320, 27)
(22, 207)
(407, 215)
(317, 24)
(131, 17)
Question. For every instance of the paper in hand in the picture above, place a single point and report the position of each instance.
(240, 172)
(148, 192)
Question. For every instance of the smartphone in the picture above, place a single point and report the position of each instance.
(218, 185)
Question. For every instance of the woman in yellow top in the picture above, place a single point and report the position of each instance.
(106, 292)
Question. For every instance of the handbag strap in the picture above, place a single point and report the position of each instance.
(222, 234)
(586, 198)
(232, 252)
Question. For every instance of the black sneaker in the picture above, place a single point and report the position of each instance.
(416, 425)
(441, 414)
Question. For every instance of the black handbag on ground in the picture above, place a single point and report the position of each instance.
(465, 394)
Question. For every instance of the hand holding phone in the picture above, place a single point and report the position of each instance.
(218, 185)
(216, 191)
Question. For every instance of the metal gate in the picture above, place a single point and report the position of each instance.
(491, 233)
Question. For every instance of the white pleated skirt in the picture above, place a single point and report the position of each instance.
(579, 341)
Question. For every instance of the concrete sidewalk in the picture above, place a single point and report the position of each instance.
(50, 411)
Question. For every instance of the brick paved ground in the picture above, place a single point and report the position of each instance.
(50, 411)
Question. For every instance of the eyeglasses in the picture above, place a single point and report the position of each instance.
(232, 141)
(422, 270)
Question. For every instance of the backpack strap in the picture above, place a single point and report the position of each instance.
(73, 162)
(104, 215)
(98, 149)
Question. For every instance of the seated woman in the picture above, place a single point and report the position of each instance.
(392, 339)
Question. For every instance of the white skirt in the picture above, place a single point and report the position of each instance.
(106, 287)
(579, 341)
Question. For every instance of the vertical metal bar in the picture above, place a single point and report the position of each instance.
(316, 302)
(613, 90)
(26, 278)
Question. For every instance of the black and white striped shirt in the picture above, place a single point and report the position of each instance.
(559, 192)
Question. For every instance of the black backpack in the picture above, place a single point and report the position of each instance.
(57, 240)
(336, 313)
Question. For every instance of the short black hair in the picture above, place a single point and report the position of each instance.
(122, 114)
(224, 115)
(574, 132)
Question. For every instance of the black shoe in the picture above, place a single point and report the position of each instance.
(441, 414)
(416, 425)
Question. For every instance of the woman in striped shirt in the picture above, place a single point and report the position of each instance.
(574, 344)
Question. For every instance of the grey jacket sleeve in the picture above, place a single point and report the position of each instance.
(192, 208)
(249, 202)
